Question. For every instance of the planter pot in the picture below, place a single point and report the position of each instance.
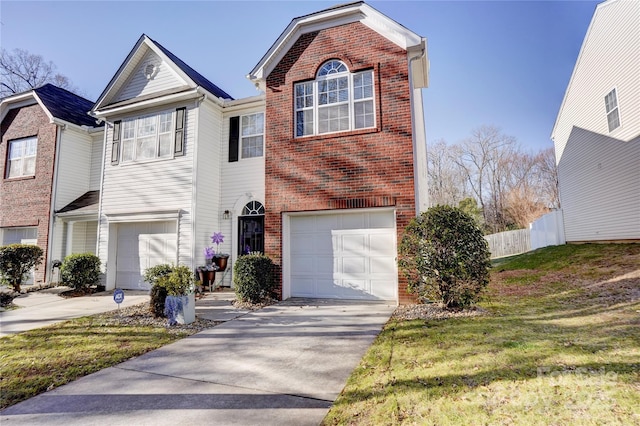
(207, 278)
(180, 309)
(221, 262)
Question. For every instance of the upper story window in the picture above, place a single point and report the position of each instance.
(149, 137)
(335, 101)
(252, 135)
(613, 115)
(22, 157)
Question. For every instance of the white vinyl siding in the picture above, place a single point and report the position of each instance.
(243, 181)
(96, 161)
(600, 187)
(84, 237)
(74, 166)
(138, 84)
(609, 58)
(157, 186)
(208, 179)
(21, 160)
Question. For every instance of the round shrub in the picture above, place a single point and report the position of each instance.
(152, 274)
(178, 282)
(16, 261)
(80, 270)
(254, 278)
(445, 257)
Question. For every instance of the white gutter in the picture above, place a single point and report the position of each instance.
(416, 178)
(176, 97)
(54, 191)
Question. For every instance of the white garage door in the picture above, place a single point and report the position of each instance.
(344, 256)
(141, 245)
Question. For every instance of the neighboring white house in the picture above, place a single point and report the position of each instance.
(162, 168)
(597, 131)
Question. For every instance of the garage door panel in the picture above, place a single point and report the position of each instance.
(342, 256)
(141, 246)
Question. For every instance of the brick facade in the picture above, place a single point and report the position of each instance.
(363, 168)
(26, 202)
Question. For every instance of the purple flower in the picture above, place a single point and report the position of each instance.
(209, 253)
(217, 238)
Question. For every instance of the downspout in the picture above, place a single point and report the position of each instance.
(416, 178)
(48, 269)
(101, 187)
(194, 174)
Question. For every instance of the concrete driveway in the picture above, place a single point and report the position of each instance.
(282, 365)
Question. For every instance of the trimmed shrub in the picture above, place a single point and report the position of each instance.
(254, 278)
(178, 282)
(445, 257)
(158, 294)
(16, 261)
(80, 270)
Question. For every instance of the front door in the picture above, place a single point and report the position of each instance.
(251, 234)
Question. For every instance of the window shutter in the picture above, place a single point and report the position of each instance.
(115, 144)
(234, 138)
(179, 139)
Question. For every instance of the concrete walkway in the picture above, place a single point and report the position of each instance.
(282, 365)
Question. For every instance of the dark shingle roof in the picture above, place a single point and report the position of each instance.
(66, 106)
(193, 74)
(86, 203)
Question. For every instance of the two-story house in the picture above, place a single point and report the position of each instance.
(52, 152)
(597, 131)
(321, 172)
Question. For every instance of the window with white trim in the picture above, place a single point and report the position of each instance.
(252, 135)
(336, 101)
(148, 137)
(613, 115)
(21, 159)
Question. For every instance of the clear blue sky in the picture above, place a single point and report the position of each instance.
(502, 63)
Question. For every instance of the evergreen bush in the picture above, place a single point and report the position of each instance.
(445, 257)
(254, 278)
(80, 270)
(16, 261)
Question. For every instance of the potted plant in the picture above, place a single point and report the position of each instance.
(220, 259)
(180, 304)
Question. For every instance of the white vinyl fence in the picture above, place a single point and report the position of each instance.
(547, 230)
(509, 243)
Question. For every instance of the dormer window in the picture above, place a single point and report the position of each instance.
(336, 101)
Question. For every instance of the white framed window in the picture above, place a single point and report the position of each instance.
(149, 137)
(336, 101)
(252, 135)
(21, 158)
(611, 105)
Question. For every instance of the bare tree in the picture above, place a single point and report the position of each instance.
(446, 184)
(21, 71)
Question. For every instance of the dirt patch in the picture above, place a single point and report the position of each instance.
(79, 292)
(434, 311)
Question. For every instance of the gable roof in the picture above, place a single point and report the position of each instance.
(340, 15)
(58, 104)
(193, 79)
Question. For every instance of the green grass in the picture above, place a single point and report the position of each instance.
(560, 346)
(34, 361)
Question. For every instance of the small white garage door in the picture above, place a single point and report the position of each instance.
(344, 256)
(141, 245)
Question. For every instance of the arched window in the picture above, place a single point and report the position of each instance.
(253, 208)
(337, 100)
(251, 228)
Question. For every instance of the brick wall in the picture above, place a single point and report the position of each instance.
(27, 201)
(372, 167)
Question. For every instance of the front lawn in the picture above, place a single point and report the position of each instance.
(560, 345)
